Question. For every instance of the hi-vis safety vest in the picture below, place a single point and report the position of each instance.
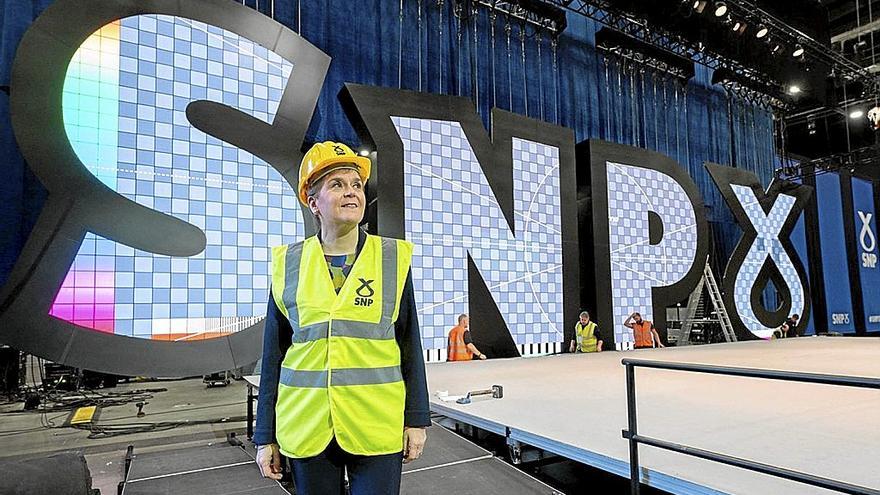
(642, 334)
(586, 337)
(456, 348)
(341, 375)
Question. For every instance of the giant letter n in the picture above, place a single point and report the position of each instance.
(493, 221)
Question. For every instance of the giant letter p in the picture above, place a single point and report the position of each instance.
(649, 235)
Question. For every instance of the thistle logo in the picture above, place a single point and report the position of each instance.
(867, 240)
(365, 293)
(765, 252)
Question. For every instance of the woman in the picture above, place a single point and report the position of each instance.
(343, 384)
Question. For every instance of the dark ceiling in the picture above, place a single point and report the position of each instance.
(817, 122)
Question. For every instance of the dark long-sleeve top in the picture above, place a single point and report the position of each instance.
(277, 337)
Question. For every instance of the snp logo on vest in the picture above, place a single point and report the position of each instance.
(365, 293)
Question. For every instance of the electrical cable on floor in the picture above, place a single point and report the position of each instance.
(53, 400)
(108, 431)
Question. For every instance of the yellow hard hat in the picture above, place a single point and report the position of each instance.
(321, 158)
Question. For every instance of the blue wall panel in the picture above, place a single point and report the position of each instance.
(865, 218)
(834, 261)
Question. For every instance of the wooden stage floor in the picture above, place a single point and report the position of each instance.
(575, 406)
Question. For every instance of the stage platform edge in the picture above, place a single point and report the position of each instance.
(649, 477)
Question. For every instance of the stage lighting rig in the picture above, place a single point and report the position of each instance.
(541, 15)
(850, 161)
(776, 47)
(762, 31)
(874, 117)
(624, 46)
(759, 92)
(607, 14)
(803, 45)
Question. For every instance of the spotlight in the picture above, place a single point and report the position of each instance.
(856, 114)
(364, 152)
(794, 89)
(776, 47)
(798, 50)
(699, 6)
(874, 117)
(720, 9)
(762, 31)
(739, 27)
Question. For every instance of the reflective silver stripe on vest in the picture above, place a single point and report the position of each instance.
(303, 378)
(389, 280)
(365, 376)
(341, 377)
(363, 330)
(311, 333)
(291, 282)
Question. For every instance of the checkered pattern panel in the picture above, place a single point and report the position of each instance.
(450, 212)
(162, 162)
(636, 265)
(766, 245)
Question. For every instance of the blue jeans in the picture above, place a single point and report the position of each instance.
(367, 474)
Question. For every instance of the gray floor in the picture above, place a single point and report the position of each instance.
(449, 461)
(23, 434)
(578, 402)
(575, 400)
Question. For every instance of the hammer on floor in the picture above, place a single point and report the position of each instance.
(497, 392)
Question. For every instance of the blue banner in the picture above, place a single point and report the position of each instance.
(838, 296)
(865, 217)
(799, 241)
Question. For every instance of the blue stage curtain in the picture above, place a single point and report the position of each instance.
(414, 45)
(21, 194)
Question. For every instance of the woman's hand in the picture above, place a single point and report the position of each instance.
(413, 443)
(269, 461)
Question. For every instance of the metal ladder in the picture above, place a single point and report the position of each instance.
(696, 309)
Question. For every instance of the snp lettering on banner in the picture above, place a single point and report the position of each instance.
(840, 318)
(867, 240)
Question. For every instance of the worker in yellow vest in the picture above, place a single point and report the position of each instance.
(343, 386)
(586, 335)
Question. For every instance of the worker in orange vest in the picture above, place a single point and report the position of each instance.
(460, 347)
(645, 334)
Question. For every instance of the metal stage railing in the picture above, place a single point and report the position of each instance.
(635, 439)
